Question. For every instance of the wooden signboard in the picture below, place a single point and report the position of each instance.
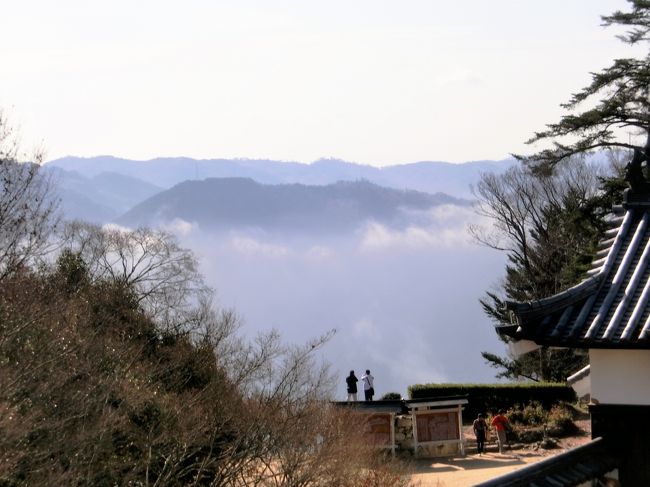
(437, 426)
(377, 430)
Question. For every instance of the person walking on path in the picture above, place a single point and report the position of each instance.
(351, 380)
(480, 431)
(368, 385)
(500, 423)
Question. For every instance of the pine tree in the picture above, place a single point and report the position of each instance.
(549, 240)
(622, 106)
(549, 224)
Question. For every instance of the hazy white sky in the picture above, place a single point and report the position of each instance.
(372, 81)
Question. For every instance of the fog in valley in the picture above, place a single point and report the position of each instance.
(404, 303)
(385, 260)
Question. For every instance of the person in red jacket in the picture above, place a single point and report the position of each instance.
(500, 423)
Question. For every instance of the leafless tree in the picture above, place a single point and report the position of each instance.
(92, 392)
(163, 275)
(119, 367)
(548, 223)
(28, 204)
(515, 202)
(521, 206)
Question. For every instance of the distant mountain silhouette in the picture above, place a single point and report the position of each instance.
(430, 177)
(226, 203)
(101, 197)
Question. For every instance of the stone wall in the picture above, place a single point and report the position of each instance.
(404, 433)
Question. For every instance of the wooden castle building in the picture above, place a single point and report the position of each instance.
(608, 313)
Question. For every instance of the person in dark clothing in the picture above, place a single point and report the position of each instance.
(351, 381)
(480, 431)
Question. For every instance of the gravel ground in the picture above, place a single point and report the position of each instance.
(473, 468)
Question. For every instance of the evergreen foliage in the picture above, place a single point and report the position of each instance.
(549, 224)
(615, 104)
(551, 230)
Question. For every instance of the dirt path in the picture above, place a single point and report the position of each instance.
(473, 468)
(469, 470)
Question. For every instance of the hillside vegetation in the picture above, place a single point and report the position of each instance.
(94, 393)
(229, 203)
(116, 369)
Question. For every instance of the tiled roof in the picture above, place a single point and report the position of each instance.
(391, 406)
(571, 468)
(436, 402)
(402, 406)
(608, 309)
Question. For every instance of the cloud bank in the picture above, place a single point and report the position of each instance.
(404, 301)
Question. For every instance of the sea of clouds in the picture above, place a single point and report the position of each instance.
(404, 302)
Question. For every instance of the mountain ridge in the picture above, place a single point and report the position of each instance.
(101, 197)
(227, 203)
(426, 176)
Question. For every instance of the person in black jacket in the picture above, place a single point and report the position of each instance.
(351, 381)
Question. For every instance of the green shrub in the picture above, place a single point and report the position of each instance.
(485, 398)
(391, 396)
(530, 435)
(531, 421)
(532, 414)
(560, 421)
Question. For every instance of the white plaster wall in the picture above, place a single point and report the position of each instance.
(620, 376)
(517, 348)
(582, 387)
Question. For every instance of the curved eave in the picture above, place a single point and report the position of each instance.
(610, 309)
(531, 310)
(507, 330)
(577, 342)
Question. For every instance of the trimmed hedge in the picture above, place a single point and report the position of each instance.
(489, 398)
